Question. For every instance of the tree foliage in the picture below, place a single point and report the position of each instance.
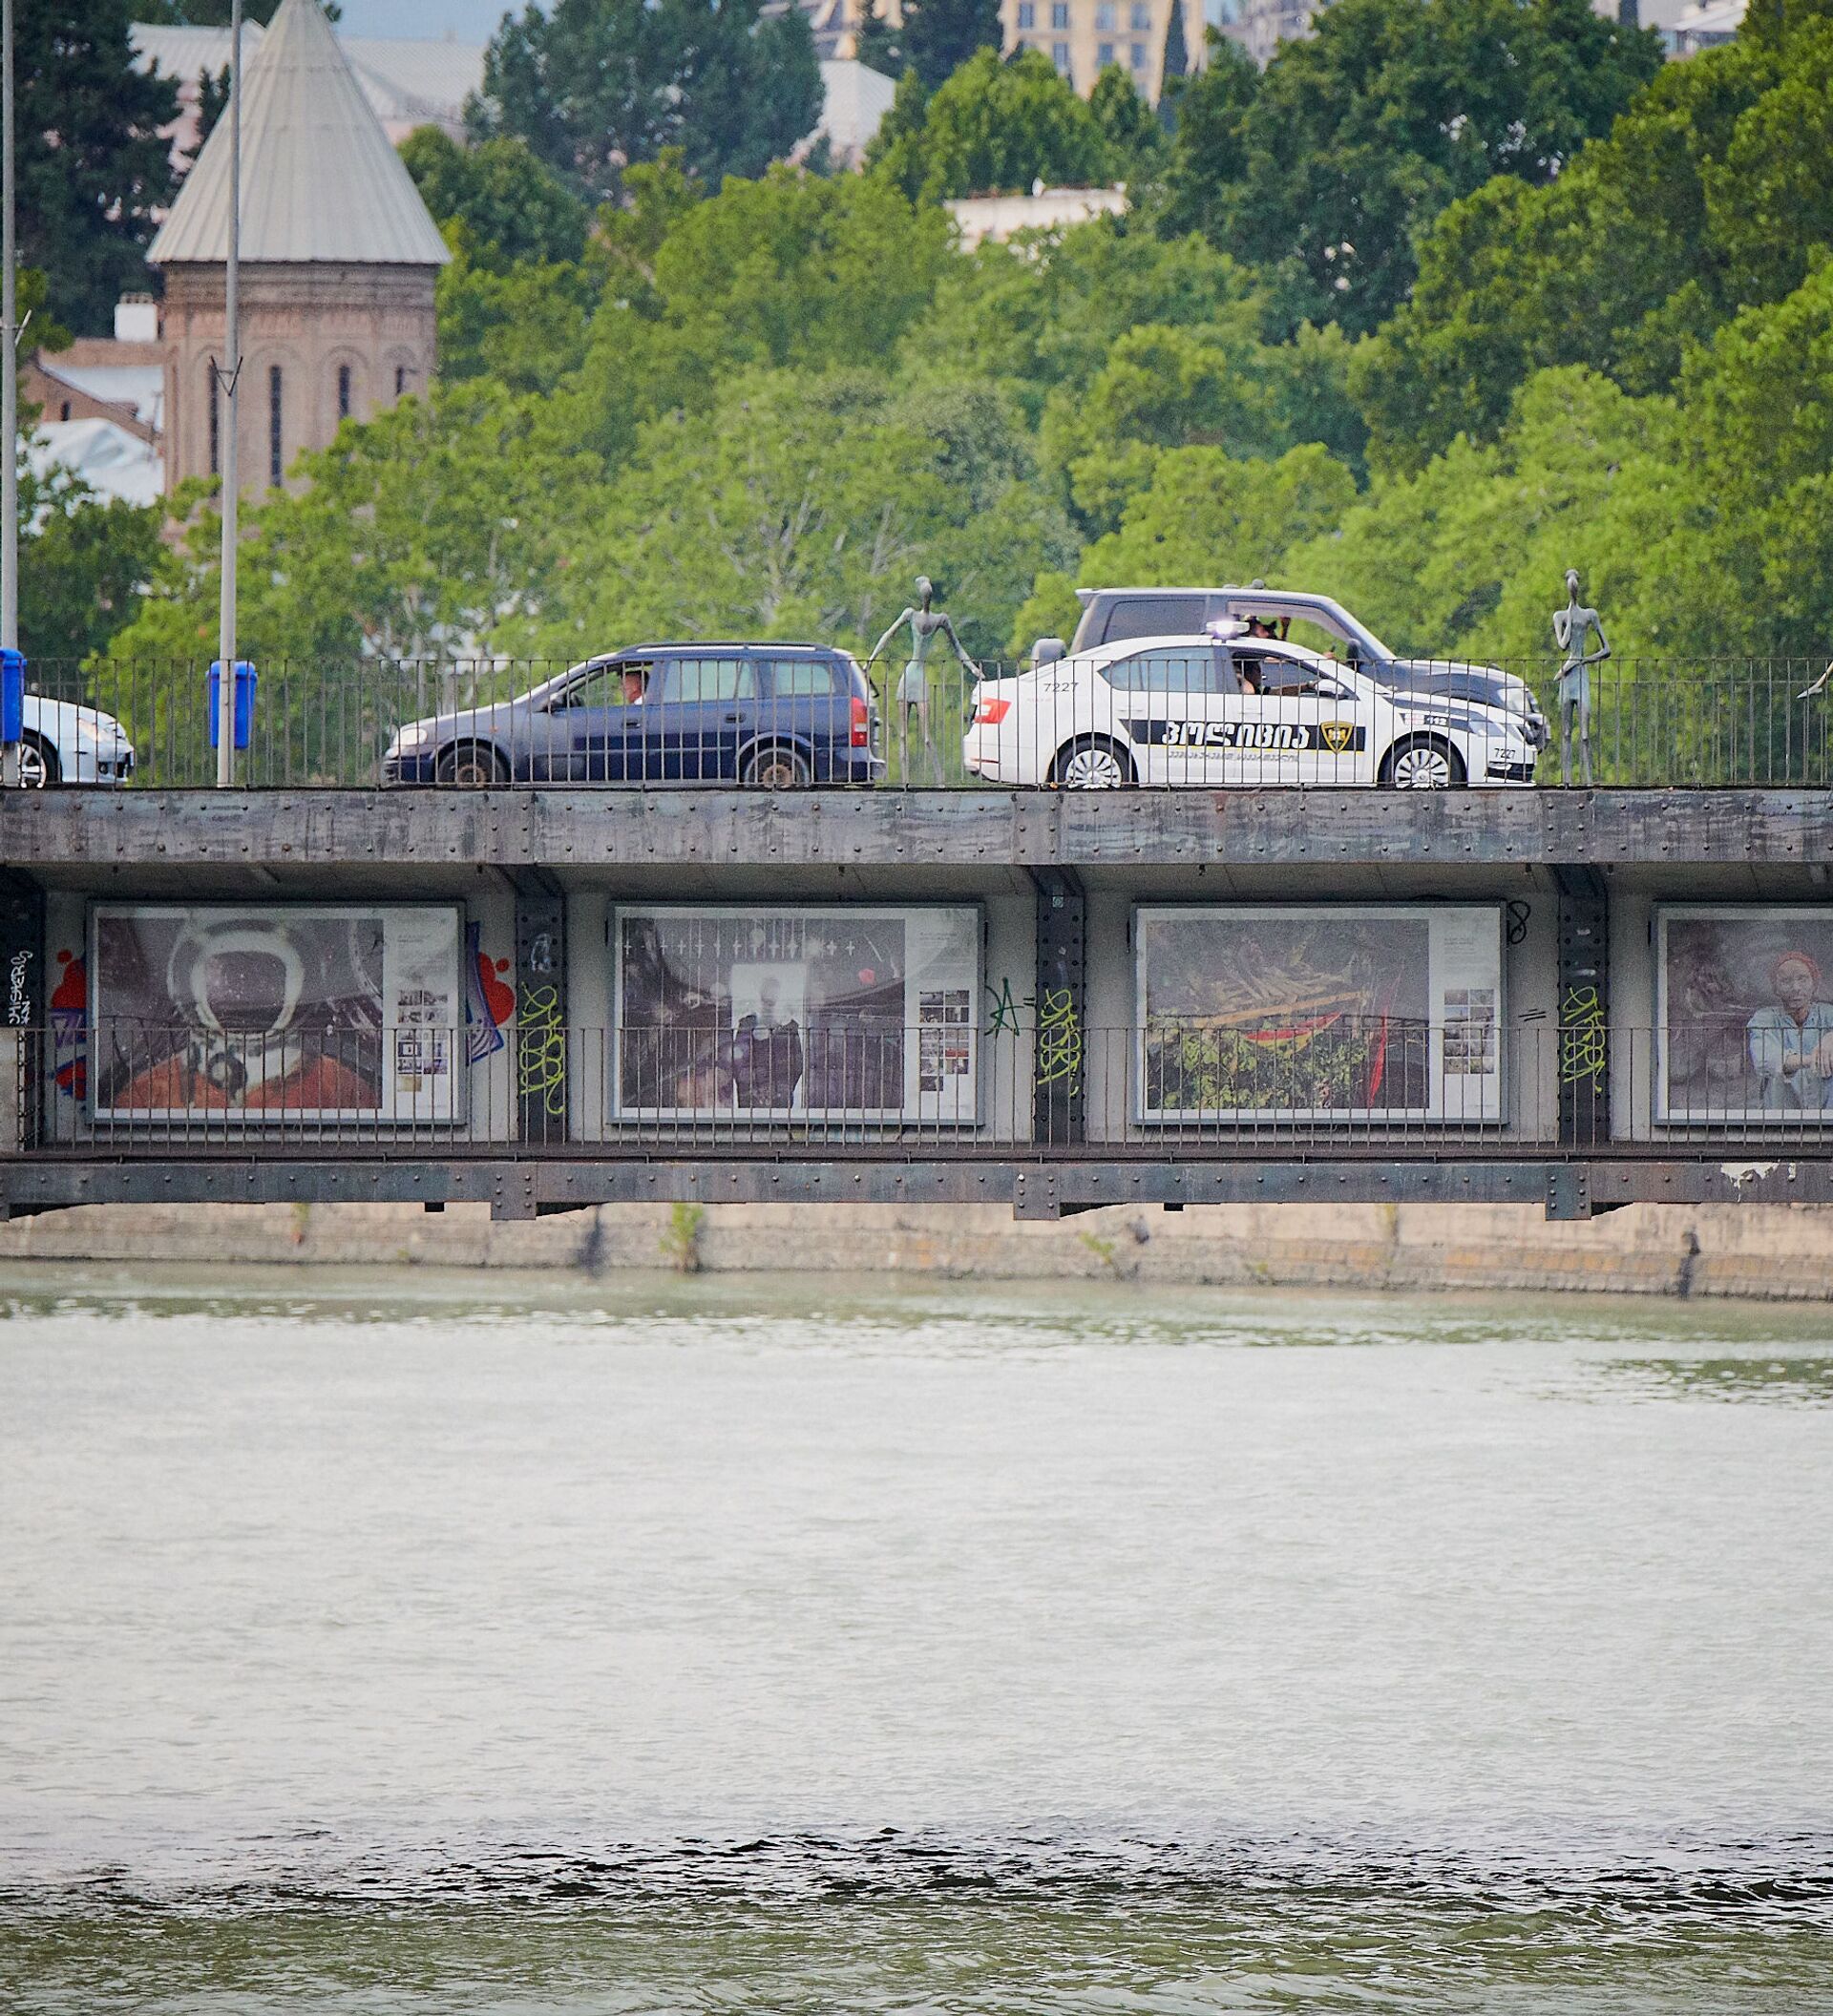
(84, 562)
(91, 168)
(512, 205)
(939, 36)
(1358, 136)
(594, 85)
(995, 128)
(1711, 193)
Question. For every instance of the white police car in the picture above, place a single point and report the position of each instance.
(64, 743)
(1232, 709)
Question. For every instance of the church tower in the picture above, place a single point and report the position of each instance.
(339, 257)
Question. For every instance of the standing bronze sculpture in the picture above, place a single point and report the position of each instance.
(1572, 628)
(926, 625)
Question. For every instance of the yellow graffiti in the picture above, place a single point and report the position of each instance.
(1581, 1037)
(543, 1049)
(1059, 1038)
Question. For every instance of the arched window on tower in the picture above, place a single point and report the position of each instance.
(342, 391)
(275, 463)
(215, 423)
(400, 379)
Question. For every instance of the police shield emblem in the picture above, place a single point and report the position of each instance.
(1337, 735)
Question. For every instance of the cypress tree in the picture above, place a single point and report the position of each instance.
(91, 166)
(939, 36)
(1176, 65)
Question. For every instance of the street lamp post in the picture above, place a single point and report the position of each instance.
(10, 389)
(228, 383)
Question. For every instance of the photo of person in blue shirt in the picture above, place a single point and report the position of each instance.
(1791, 1044)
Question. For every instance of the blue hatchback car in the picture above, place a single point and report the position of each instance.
(777, 716)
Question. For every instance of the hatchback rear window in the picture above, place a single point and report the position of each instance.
(803, 678)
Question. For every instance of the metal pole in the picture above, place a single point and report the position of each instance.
(9, 390)
(228, 386)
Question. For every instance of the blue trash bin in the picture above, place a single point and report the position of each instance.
(244, 702)
(12, 695)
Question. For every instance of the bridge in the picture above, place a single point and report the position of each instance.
(546, 999)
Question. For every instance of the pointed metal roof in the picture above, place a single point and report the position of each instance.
(319, 178)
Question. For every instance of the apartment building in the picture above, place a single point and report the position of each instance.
(1082, 37)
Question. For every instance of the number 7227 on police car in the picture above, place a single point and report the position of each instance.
(1202, 710)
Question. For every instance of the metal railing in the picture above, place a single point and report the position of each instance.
(1197, 718)
(1174, 1089)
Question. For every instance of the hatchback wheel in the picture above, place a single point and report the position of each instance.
(1425, 763)
(473, 764)
(1092, 764)
(776, 770)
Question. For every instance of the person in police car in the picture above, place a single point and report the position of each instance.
(1791, 1044)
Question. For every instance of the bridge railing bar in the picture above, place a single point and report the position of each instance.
(1171, 718)
(1196, 1087)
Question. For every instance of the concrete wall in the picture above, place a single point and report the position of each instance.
(1768, 1253)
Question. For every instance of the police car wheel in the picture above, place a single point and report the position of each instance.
(38, 765)
(1425, 764)
(1092, 764)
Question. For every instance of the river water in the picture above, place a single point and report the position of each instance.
(416, 1642)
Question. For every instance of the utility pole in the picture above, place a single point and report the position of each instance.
(229, 383)
(9, 390)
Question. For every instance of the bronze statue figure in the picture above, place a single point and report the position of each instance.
(926, 625)
(1572, 627)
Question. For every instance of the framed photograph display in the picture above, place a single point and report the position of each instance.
(825, 1012)
(1743, 1007)
(1256, 1012)
(258, 1014)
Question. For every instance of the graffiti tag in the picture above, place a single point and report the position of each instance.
(1581, 1037)
(1005, 1010)
(543, 1049)
(1059, 1038)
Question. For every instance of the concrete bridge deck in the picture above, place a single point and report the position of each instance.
(55, 832)
(1575, 880)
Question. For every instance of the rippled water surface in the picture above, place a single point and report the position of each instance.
(421, 1643)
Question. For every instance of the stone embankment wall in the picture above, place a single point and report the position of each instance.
(1774, 1252)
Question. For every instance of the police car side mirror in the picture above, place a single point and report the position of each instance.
(1046, 651)
(1329, 689)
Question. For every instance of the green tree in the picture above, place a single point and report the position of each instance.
(804, 506)
(416, 535)
(1615, 264)
(994, 127)
(1210, 517)
(512, 205)
(523, 327)
(597, 84)
(793, 270)
(1358, 136)
(1135, 141)
(84, 562)
(877, 43)
(1044, 310)
(1176, 66)
(210, 13)
(939, 36)
(91, 166)
(1208, 157)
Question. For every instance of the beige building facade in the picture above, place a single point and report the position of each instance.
(1083, 37)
